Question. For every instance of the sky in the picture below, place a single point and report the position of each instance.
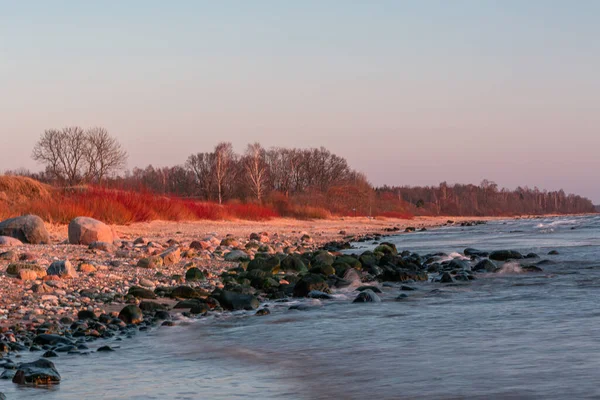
(409, 92)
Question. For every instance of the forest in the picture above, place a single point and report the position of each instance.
(312, 182)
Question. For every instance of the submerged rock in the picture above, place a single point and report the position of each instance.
(367, 296)
(236, 301)
(503, 255)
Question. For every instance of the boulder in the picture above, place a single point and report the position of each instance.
(186, 292)
(194, 274)
(236, 301)
(7, 241)
(50, 339)
(131, 314)
(86, 230)
(27, 228)
(485, 266)
(474, 252)
(503, 255)
(171, 256)
(308, 283)
(150, 262)
(236, 255)
(40, 372)
(16, 268)
(27, 275)
(367, 296)
(63, 268)
(141, 293)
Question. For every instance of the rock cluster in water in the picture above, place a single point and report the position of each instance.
(59, 298)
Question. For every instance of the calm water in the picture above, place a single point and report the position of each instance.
(506, 335)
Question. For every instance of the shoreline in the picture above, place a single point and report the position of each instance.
(87, 306)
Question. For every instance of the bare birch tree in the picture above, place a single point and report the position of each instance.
(255, 169)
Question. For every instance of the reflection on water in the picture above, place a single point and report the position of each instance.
(503, 336)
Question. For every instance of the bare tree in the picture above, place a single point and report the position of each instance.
(63, 153)
(255, 169)
(72, 155)
(223, 160)
(201, 165)
(104, 154)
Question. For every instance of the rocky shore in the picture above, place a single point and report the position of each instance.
(62, 288)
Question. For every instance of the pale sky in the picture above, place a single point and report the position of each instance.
(410, 92)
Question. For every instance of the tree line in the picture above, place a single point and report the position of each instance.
(312, 177)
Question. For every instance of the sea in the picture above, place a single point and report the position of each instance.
(505, 335)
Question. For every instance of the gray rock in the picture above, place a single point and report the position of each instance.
(237, 301)
(27, 228)
(86, 230)
(503, 255)
(367, 296)
(236, 255)
(63, 268)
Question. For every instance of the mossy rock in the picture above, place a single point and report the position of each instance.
(368, 259)
(15, 268)
(386, 248)
(323, 257)
(310, 282)
(340, 268)
(293, 263)
(269, 265)
(353, 262)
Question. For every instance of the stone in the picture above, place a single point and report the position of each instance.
(40, 372)
(236, 255)
(86, 268)
(141, 293)
(308, 283)
(86, 230)
(237, 301)
(26, 228)
(102, 246)
(469, 252)
(15, 268)
(50, 339)
(194, 274)
(150, 262)
(151, 306)
(7, 241)
(27, 275)
(503, 255)
(186, 292)
(131, 314)
(485, 266)
(106, 348)
(367, 296)
(86, 314)
(63, 268)
(171, 256)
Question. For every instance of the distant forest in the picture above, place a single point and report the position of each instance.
(285, 179)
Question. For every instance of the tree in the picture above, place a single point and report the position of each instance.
(63, 152)
(104, 154)
(72, 155)
(222, 166)
(255, 169)
(201, 165)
